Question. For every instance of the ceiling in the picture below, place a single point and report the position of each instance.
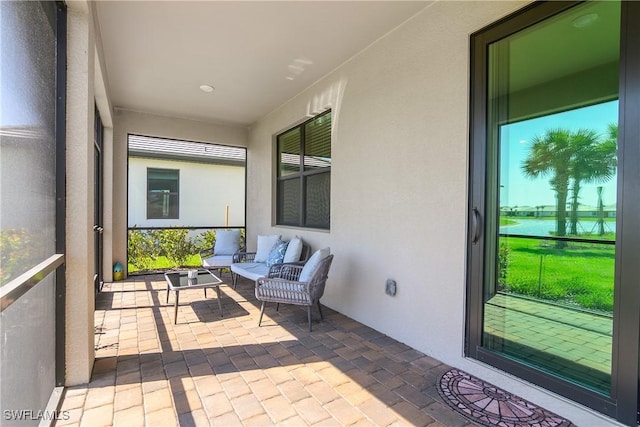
(256, 55)
(575, 47)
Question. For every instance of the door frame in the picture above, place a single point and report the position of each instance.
(98, 277)
(623, 402)
(625, 383)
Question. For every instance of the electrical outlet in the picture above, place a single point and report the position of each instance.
(390, 287)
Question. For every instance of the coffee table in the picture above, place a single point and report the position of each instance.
(179, 280)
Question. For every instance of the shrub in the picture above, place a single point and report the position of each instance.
(503, 265)
(176, 245)
(143, 249)
(167, 248)
(206, 240)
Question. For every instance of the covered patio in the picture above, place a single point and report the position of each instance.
(216, 370)
(396, 78)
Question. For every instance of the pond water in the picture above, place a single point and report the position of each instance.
(544, 227)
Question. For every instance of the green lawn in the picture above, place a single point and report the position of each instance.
(507, 221)
(581, 274)
(162, 263)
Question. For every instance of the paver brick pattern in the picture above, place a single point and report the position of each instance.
(572, 343)
(212, 370)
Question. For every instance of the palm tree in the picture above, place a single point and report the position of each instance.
(612, 132)
(593, 161)
(575, 157)
(550, 154)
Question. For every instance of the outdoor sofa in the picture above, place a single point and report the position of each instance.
(220, 256)
(271, 254)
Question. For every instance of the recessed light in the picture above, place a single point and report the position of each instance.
(206, 88)
(585, 20)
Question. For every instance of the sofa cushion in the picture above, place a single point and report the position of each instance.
(277, 253)
(227, 242)
(294, 250)
(310, 267)
(217, 261)
(265, 244)
(250, 270)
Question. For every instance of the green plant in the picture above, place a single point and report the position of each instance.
(503, 265)
(143, 249)
(601, 300)
(176, 245)
(206, 240)
(167, 248)
(15, 251)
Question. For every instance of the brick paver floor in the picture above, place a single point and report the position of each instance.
(212, 370)
(571, 343)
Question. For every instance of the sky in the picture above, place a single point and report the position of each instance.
(518, 190)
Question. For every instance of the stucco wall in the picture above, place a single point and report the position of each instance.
(399, 185)
(79, 252)
(399, 176)
(205, 192)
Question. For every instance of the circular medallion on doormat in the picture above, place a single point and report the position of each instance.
(488, 405)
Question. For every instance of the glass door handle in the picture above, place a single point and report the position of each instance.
(475, 225)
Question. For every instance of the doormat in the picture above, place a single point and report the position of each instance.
(488, 405)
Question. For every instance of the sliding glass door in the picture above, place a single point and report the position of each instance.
(546, 230)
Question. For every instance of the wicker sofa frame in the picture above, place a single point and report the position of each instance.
(250, 268)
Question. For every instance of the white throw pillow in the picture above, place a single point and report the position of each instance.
(294, 250)
(265, 244)
(227, 242)
(310, 267)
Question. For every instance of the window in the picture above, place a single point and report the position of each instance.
(304, 174)
(163, 193)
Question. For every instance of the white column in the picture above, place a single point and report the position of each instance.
(80, 306)
(108, 207)
(119, 190)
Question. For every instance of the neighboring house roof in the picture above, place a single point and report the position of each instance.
(173, 149)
